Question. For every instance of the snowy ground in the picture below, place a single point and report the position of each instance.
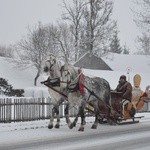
(24, 131)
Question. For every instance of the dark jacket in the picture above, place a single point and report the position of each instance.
(126, 90)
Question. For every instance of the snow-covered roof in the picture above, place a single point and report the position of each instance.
(133, 63)
(92, 62)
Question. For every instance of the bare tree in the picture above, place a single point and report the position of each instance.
(91, 25)
(142, 20)
(142, 14)
(99, 26)
(7, 51)
(64, 39)
(32, 50)
(74, 15)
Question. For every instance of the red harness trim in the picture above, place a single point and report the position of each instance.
(81, 80)
(144, 95)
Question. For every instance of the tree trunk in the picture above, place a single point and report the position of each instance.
(35, 79)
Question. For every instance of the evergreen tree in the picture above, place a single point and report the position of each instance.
(125, 50)
(115, 44)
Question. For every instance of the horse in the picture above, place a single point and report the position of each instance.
(83, 90)
(52, 68)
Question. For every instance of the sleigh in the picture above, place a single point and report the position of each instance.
(113, 112)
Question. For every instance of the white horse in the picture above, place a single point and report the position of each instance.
(52, 67)
(83, 90)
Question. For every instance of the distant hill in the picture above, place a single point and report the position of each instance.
(16, 77)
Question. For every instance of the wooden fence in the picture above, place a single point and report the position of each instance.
(26, 109)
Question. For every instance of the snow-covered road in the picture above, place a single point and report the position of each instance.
(36, 135)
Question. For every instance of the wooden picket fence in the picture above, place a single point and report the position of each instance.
(26, 109)
(29, 109)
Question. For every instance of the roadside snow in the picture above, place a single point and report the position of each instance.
(23, 131)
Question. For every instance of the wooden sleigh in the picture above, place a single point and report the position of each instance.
(113, 113)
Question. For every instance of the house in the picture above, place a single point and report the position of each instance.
(91, 62)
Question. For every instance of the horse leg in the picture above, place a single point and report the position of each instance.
(73, 124)
(58, 117)
(67, 116)
(82, 115)
(94, 126)
(50, 125)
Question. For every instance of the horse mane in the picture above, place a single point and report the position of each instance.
(71, 69)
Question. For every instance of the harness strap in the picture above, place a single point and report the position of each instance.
(61, 93)
(81, 80)
(92, 93)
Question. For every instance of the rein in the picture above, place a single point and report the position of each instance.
(48, 85)
(56, 83)
(92, 93)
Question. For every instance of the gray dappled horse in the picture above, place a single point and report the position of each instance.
(52, 67)
(95, 90)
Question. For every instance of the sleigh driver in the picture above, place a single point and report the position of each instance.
(125, 88)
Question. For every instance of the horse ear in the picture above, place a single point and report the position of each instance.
(59, 64)
(54, 60)
(61, 68)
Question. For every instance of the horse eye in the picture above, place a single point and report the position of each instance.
(45, 69)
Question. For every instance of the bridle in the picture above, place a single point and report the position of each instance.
(52, 81)
(52, 63)
(72, 83)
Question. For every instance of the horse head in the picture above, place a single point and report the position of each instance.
(52, 67)
(69, 77)
(50, 62)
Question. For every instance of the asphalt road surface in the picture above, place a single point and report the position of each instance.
(105, 137)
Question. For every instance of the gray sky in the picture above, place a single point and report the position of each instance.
(17, 15)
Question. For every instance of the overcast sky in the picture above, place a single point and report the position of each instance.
(17, 15)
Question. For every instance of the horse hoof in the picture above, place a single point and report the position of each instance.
(57, 126)
(71, 126)
(74, 124)
(50, 126)
(81, 129)
(94, 127)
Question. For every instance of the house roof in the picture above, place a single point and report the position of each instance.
(92, 62)
(133, 63)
